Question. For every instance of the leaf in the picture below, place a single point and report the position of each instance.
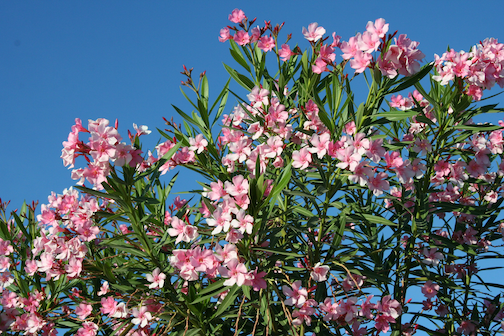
(239, 78)
(98, 193)
(223, 96)
(477, 128)
(193, 332)
(237, 55)
(394, 115)
(123, 247)
(211, 290)
(188, 118)
(378, 220)
(303, 211)
(289, 254)
(410, 81)
(228, 300)
(20, 224)
(280, 184)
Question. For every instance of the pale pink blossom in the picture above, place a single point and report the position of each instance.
(319, 272)
(225, 35)
(104, 289)
(156, 279)
(235, 271)
(241, 38)
(432, 256)
(141, 316)
(301, 159)
(314, 32)
(83, 310)
(141, 130)
(198, 144)
(379, 27)
(296, 296)
(285, 52)
(266, 43)
(237, 16)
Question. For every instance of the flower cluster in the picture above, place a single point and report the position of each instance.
(104, 145)
(480, 69)
(312, 207)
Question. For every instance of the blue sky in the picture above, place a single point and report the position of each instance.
(61, 60)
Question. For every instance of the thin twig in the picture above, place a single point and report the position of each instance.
(256, 321)
(187, 322)
(289, 316)
(238, 317)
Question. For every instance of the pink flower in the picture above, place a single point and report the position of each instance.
(432, 256)
(348, 309)
(156, 278)
(467, 328)
(141, 316)
(350, 48)
(330, 308)
(360, 61)
(430, 289)
(285, 52)
(237, 16)
(319, 66)
(235, 271)
(217, 191)
(104, 289)
(321, 144)
(314, 32)
(198, 144)
(183, 232)
(241, 37)
(301, 159)
(220, 219)
(256, 280)
(266, 43)
(239, 186)
(83, 310)
(225, 35)
(258, 97)
(88, 329)
(319, 272)
(382, 322)
(141, 130)
(401, 103)
(389, 307)
(244, 223)
(368, 42)
(379, 27)
(296, 296)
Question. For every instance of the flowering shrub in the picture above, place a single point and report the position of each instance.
(316, 214)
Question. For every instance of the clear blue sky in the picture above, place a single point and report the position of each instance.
(61, 60)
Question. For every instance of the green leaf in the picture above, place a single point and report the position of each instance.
(239, 78)
(394, 115)
(237, 55)
(228, 300)
(19, 223)
(281, 183)
(223, 96)
(188, 118)
(210, 290)
(282, 252)
(410, 81)
(123, 247)
(477, 128)
(203, 101)
(303, 211)
(378, 220)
